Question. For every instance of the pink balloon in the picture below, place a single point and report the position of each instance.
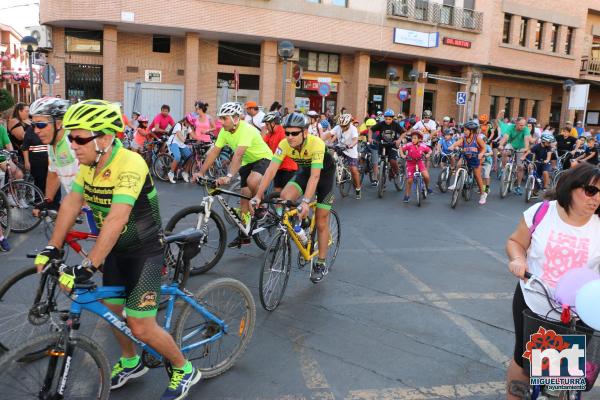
(570, 283)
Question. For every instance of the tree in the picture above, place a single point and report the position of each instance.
(6, 100)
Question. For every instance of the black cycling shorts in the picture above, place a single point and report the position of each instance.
(141, 276)
(282, 178)
(324, 187)
(259, 166)
(518, 306)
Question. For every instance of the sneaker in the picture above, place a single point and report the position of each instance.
(429, 191)
(180, 384)
(318, 272)
(120, 375)
(186, 177)
(23, 203)
(483, 198)
(4, 246)
(452, 187)
(487, 189)
(374, 183)
(171, 177)
(239, 241)
(406, 199)
(357, 194)
(518, 191)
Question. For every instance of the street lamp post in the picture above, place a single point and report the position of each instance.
(30, 45)
(285, 49)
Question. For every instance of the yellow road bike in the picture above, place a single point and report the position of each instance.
(277, 263)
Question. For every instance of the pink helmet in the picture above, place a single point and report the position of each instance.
(141, 118)
(190, 119)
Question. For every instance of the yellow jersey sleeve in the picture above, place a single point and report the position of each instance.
(282, 151)
(317, 153)
(130, 179)
(78, 183)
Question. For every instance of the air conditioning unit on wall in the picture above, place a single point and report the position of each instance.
(43, 34)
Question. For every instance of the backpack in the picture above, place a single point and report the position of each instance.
(539, 215)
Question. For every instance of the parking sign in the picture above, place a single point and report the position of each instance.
(461, 98)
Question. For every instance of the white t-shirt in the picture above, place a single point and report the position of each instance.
(347, 138)
(256, 121)
(174, 139)
(63, 162)
(557, 247)
(430, 126)
(314, 129)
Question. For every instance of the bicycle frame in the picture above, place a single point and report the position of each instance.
(286, 222)
(89, 300)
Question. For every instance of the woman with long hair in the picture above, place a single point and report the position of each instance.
(205, 124)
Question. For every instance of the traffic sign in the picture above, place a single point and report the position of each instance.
(49, 74)
(324, 89)
(403, 94)
(461, 98)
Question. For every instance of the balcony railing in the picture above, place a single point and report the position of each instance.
(590, 66)
(424, 10)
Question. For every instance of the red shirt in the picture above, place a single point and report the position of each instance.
(273, 140)
(162, 122)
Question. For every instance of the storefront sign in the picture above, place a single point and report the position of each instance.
(416, 38)
(314, 85)
(457, 42)
(154, 76)
(377, 97)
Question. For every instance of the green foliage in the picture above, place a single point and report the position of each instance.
(6, 100)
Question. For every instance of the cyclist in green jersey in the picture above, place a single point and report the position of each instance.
(517, 137)
(251, 158)
(116, 184)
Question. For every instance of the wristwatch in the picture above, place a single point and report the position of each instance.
(229, 175)
(305, 200)
(87, 263)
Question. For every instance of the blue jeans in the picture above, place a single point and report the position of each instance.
(179, 152)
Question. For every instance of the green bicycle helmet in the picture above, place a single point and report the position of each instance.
(94, 115)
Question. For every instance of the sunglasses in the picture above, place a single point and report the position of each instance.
(590, 190)
(82, 140)
(41, 125)
(292, 133)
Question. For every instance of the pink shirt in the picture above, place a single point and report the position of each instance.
(415, 152)
(203, 126)
(161, 121)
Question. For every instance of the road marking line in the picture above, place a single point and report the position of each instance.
(423, 393)
(501, 258)
(461, 322)
(313, 375)
(390, 299)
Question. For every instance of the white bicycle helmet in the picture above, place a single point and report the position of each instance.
(345, 119)
(312, 114)
(231, 109)
(51, 106)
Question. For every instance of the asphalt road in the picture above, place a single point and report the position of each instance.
(418, 306)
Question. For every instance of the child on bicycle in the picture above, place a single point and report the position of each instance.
(445, 142)
(142, 135)
(486, 167)
(414, 153)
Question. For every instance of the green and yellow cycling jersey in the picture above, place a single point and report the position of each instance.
(313, 153)
(125, 179)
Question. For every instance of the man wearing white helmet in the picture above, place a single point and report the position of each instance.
(251, 157)
(346, 134)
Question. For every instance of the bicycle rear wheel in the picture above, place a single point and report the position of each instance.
(275, 272)
(23, 196)
(39, 363)
(4, 214)
(212, 246)
(230, 301)
(162, 165)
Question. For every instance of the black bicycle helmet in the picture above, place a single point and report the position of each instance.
(295, 120)
(472, 125)
(532, 121)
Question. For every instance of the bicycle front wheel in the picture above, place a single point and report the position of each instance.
(212, 245)
(529, 186)
(23, 196)
(460, 181)
(417, 190)
(381, 180)
(162, 165)
(506, 180)
(443, 179)
(275, 272)
(4, 214)
(345, 182)
(35, 370)
(266, 226)
(230, 301)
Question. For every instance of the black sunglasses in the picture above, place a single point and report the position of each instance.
(292, 133)
(41, 125)
(590, 190)
(82, 140)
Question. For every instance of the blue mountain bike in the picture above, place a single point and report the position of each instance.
(213, 329)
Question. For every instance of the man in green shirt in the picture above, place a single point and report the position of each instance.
(251, 158)
(516, 137)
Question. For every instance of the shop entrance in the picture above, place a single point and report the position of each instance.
(555, 114)
(376, 100)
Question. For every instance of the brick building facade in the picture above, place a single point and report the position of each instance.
(515, 54)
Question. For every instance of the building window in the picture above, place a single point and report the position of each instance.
(536, 109)
(247, 82)
(493, 107)
(469, 4)
(83, 81)
(239, 54)
(539, 34)
(161, 44)
(340, 3)
(508, 107)
(523, 32)
(569, 40)
(83, 41)
(421, 9)
(506, 29)
(522, 107)
(554, 38)
(320, 62)
(447, 13)
(378, 69)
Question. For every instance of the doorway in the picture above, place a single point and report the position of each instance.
(428, 101)
(83, 81)
(555, 115)
(376, 100)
